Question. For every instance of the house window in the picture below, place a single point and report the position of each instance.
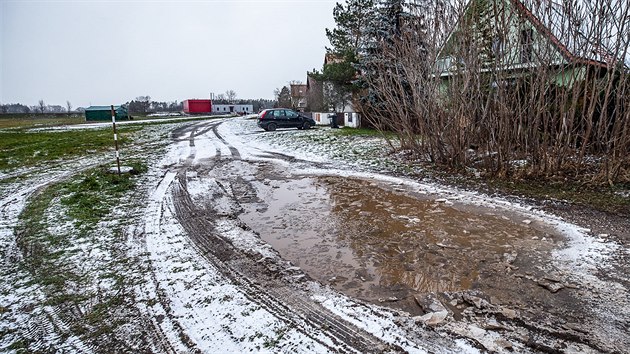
(527, 45)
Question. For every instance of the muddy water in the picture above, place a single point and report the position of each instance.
(378, 243)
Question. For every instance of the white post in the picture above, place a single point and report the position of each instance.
(115, 138)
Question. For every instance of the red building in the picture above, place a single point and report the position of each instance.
(197, 106)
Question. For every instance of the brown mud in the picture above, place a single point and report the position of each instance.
(385, 245)
(391, 246)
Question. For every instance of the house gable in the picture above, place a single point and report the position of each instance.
(498, 35)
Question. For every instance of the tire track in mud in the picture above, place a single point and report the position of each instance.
(190, 132)
(50, 328)
(240, 269)
(280, 298)
(161, 339)
(235, 154)
(259, 283)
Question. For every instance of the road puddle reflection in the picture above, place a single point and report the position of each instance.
(377, 242)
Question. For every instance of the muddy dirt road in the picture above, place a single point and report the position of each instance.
(489, 271)
(247, 244)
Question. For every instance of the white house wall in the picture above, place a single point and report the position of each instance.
(237, 108)
(321, 118)
(352, 119)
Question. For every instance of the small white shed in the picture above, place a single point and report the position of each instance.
(352, 119)
(321, 118)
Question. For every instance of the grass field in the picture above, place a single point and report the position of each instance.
(31, 121)
(20, 147)
(24, 144)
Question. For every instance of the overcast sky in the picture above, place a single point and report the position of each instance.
(109, 52)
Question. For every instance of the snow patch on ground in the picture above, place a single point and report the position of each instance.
(245, 240)
(214, 313)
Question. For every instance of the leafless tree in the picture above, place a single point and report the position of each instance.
(41, 106)
(230, 95)
(143, 103)
(69, 106)
(553, 116)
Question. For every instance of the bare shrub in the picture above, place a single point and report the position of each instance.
(521, 88)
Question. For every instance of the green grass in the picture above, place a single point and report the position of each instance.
(362, 132)
(91, 195)
(32, 237)
(88, 198)
(31, 121)
(24, 148)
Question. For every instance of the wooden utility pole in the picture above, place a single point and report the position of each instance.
(115, 138)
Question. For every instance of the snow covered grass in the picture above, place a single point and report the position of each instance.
(68, 253)
(73, 253)
(347, 147)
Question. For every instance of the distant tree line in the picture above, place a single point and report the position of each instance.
(144, 105)
(40, 108)
(140, 105)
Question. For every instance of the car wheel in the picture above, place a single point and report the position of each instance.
(271, 127)
(306, 125)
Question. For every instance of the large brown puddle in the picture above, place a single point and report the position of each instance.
(377, 242)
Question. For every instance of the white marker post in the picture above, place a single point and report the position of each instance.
(115, 139)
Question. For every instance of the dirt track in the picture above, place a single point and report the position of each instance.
(520, 295)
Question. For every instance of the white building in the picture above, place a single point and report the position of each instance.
(350, 119)
(232, 108)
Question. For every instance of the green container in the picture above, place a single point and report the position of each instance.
(100, 113)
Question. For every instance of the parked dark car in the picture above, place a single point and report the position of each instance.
(271, 119)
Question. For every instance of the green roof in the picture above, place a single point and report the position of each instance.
(101, 108)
